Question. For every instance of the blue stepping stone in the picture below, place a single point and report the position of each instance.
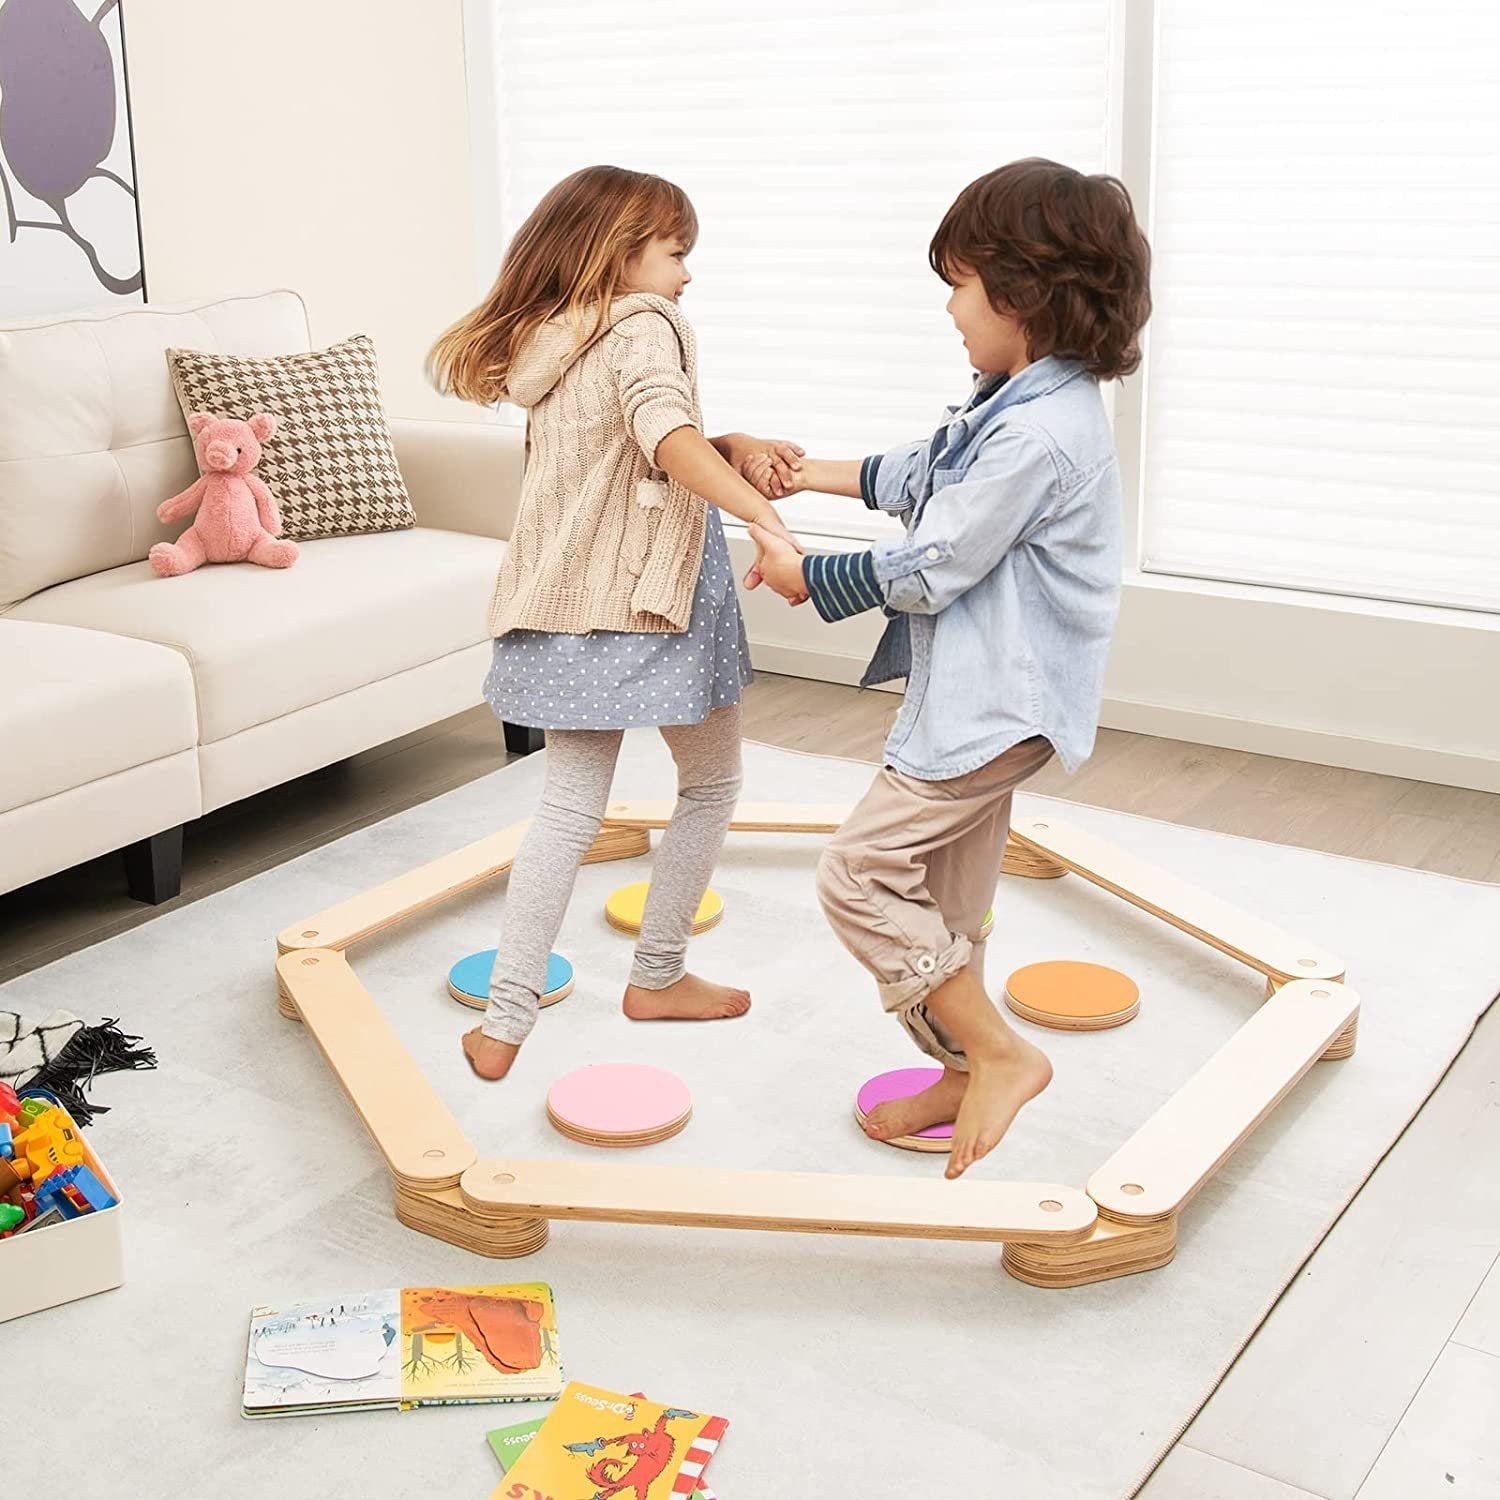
(469, 979)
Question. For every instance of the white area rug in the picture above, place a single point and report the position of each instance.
(878, 1368)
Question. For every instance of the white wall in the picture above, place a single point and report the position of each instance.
(316, 144)
(1400, 690)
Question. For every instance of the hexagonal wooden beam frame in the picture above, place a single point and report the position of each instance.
(1053, 1235)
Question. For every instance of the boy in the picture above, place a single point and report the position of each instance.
(1002, 598)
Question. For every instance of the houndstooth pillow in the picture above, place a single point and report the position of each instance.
(331, 464)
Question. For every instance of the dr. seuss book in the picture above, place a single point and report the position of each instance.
(599, 1445)
(509, 1443)
(417, 1346)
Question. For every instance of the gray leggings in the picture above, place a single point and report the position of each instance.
(580, 767)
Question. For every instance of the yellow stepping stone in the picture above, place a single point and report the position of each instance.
(625, 909)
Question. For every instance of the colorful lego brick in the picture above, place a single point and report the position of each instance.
(10, 1216)
(7, 1138)
(48, 1144)
(52, 1196)
(32, 1110)
(73, 1191)
(97, 1195)
(10, 1101)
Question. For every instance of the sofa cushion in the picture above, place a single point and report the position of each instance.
(77, 705)
(325, 732)
(91, 436)
(265, 642)
(330, 463)
(86, 821)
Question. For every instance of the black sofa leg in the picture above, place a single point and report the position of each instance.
(522, 739)
(153, 867)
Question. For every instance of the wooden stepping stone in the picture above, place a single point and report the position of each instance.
(902, 1083)
(1069, 996)
(625, 909)
(469, 979)
(619, 1104)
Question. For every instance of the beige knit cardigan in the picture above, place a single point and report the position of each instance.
(603, 539)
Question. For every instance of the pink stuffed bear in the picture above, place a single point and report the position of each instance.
(237, 517)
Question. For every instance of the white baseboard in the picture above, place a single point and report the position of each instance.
(1415, 762)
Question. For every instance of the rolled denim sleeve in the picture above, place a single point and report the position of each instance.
(889, 481)
(966, 527)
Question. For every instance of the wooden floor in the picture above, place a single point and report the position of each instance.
(1378, 1374)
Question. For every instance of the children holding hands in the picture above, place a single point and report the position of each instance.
(615, 606)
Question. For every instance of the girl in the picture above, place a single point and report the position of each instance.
(614, 606)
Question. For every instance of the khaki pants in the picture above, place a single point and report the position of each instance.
(906, 881)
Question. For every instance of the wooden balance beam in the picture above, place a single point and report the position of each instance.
(1159, 1169)
(384, 905)
(1053, 1235)
(797, 1202)
(913, 1208)
(1210, 919)
(423, 1145)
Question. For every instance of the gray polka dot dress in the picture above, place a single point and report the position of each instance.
(618, 679)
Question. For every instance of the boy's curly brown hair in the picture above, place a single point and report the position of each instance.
(1059, 251)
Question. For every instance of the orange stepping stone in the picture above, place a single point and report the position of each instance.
(1070, 996)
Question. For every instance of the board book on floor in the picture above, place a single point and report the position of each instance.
(596, 1442)
(509, 1443)
(402, 1348)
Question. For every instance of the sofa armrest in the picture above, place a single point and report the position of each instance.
(461, 476)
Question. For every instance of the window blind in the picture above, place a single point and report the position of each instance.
(1323, 383)
(820, 145)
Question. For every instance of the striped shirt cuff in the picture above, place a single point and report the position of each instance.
(842, 584)
(867, 472)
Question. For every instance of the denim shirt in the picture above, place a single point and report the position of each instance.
(1004, 593)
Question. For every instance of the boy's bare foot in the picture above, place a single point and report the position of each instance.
(933, 1106)
(998, 1086)
(690, 999)
(1005, 1070)
(489, 1058)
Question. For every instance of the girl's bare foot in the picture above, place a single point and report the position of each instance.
(937, 1105)
(1005, 1070)
(690, 999)
(489, 1058)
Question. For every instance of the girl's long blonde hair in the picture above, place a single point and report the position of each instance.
(568, 257)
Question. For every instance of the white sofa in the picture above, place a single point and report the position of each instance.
(132, 704)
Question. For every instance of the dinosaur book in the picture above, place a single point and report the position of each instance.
(599, 1445)
(418, 1346)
